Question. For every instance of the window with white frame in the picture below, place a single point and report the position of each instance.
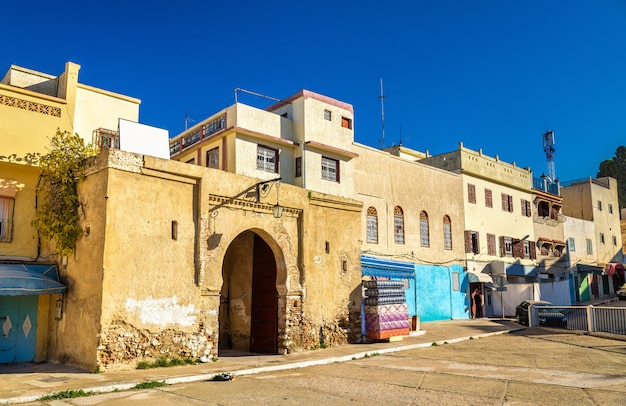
(267, 159)
(571, 243)
(372, 225)
(6, 219)
(330, 169)
(398, 225)
(328, 115)
(589, 247)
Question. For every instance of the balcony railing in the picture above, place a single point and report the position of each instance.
(546, 185)
(197, 135)
(106, 139)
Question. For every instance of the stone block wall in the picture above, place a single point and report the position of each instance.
(121, 344)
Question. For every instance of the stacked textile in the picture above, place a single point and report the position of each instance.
(386, 312)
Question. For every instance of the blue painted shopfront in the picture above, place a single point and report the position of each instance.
(433, 292)
(20, 288)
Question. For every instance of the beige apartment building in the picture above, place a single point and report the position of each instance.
(596, 200)
(305, 140)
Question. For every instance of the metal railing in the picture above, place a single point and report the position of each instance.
(591, 319)
(106, 139)
(546, 186)
(197, 135)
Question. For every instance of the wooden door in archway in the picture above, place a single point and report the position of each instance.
(264, 309)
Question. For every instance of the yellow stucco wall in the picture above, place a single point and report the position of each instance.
(23, 130)
(384, 181)
(96, 108)
(130, 278)
(24, 245)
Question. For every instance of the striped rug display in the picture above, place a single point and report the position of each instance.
(386, 311)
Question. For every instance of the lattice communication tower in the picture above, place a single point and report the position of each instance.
(548, 148)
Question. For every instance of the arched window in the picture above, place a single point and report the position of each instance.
(372, 225)
(424, 233)
(447, 233)
(398, 225)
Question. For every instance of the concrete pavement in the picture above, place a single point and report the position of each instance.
(22, 383)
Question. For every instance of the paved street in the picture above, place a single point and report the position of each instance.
(528, 367)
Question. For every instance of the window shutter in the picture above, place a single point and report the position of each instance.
(468, 241)
(504, 201)
(518, 252)
(471, 193)
(502, 250)
(533, 250)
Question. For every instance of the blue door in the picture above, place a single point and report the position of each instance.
(18, 324)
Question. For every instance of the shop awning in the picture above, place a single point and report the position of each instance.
(582, 268)
(29, 279)
(526, 271)
(378, 267)
(478, 277)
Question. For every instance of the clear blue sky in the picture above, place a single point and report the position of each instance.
(493, 74)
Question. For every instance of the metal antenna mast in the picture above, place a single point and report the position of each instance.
(382, 106)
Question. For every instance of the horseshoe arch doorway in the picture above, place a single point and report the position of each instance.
(248, 314)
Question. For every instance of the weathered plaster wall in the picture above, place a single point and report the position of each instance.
(74, 338)
(136, 292)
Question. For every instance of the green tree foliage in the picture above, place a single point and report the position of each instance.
(61, 169)
(616, 168)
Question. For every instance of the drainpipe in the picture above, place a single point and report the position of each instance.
(303, 167)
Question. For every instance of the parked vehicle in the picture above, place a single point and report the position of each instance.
(549, 317)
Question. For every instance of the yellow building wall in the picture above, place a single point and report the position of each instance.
(384, 181)
(590, 200)
(23, 130)
(134, 290)
(96, 108)
(24, 244)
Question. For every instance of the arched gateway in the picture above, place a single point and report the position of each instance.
(249, 303)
